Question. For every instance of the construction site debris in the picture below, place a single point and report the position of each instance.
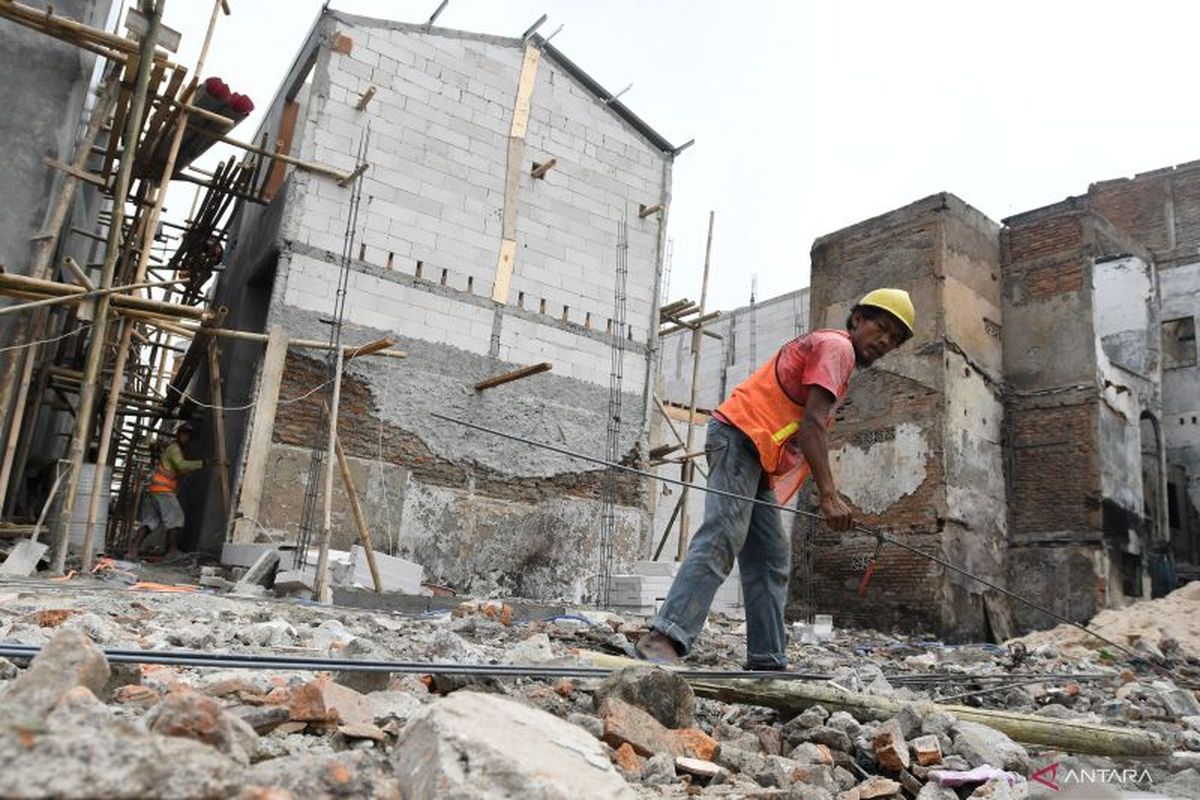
(641, 732)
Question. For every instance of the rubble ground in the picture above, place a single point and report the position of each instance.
(75, 725)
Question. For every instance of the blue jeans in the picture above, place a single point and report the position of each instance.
(734, 529)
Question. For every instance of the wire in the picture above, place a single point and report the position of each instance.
(283, 401)
(84, 326)
(1133, 655)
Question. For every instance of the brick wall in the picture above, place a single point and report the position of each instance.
(364, 435)
(1054, 472)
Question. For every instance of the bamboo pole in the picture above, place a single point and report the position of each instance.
(216, 394)
(47, 243)
(794, 696)
(95, 354)
(687, 470)
(321, 590)
(360, 521)
(74, 297)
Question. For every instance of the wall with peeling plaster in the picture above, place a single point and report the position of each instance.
(1180, 297)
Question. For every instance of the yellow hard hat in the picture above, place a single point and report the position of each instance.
(894, 301)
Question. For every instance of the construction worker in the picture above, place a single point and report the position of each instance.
(160, 505)
(763, 442)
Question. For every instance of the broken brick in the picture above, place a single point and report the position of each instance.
(627, 760)
(697, 744)
(135, 694)
(52, 617)
(625, 723)
(891, 750)
(927, 749)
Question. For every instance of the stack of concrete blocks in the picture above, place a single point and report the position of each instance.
(347, 569)
(427, 269)
(644, 589)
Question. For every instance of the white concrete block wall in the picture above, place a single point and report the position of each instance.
(384, 304)
(750, 335)
(434, 193)
(572, 355)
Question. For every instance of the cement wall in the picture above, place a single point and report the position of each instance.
(1180, 297)
(479, 512)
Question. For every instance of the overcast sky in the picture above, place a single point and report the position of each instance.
(810, 116)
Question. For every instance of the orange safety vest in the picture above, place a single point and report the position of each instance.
(163, 481)
(761, 409)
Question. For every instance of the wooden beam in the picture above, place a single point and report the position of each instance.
(359, 170)
(369, 348)
(216, 394)
(365, 98)
(645, 211)
(86, 177)
(515, 375)
(262, 429)
(539, 170)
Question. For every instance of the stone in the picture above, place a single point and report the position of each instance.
(659, 770)
(1184, 785)
(938, 722)
(877, 787)
(188, 714)
(274, 633)
(194, 636)
(664, 695)
(135, 694)
(822, 734)
(927, 750)
(362, 730)
(85, 752)
(261, 572)
(910, 720)
(698, 767)
(393, 705)
(845, 723)
(624, 722)
(739, 760)
(321, 700)
(593, 725)
(8, 670)
(534, 650)
(263, 719)
(809, 753)
(697, 744)
(980, 745)
(932, 791)
(628, 761)
(474, 745)
(1001, 789)
(809, 718)
(770, 739)
(331, 635)
(68, 660)
(1180, 702)
(805, 791)
(354, 773)
(890, 747)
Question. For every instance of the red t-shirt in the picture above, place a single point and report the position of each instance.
(822, 358)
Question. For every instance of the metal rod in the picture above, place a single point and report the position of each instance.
(1131, 654)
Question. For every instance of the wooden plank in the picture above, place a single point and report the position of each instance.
(504, 270)
(86, 177)
(360, 521)
(540, 170)
(262, 429)
(283, 145)
(514, 375)
(529, 65)
(217, 393)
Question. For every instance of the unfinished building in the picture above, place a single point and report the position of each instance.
(504, 186)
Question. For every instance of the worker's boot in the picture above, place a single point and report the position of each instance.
(656, 647)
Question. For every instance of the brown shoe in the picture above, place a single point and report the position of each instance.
(655, 647)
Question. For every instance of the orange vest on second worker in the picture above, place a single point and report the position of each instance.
(761, 409)
(163, 481)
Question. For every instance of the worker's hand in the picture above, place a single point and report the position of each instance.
(838, 515)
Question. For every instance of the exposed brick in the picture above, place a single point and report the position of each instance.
(342, 44)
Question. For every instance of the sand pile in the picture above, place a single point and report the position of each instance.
(1152, 626)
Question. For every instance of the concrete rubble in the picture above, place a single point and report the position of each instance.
(76, 725)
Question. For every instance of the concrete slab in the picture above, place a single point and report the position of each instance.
(23, 560)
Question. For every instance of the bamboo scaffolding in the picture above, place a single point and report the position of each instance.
(83, 416)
